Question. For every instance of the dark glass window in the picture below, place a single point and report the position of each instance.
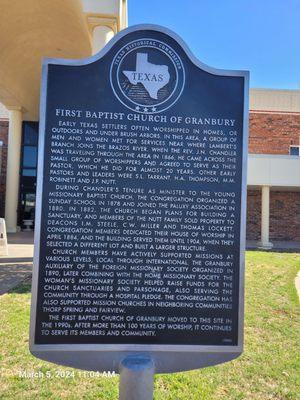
(28, 205)
(294, 150)
(30, 130)
(29, 156)
(28, 172)
(1, 152)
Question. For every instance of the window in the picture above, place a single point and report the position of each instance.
(294, 150)
(28, 172)
(30, 133)
(29, 156)
(1, 145)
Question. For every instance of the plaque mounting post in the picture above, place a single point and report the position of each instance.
(136, 378)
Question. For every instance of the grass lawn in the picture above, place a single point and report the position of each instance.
(268, 369)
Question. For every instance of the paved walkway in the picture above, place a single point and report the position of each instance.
(289, 247)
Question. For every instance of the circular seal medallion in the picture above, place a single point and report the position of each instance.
(147, 76)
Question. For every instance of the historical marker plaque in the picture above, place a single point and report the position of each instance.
(140, 222)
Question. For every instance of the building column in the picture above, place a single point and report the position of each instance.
(13, 168)
(265, 218)
(101, 36)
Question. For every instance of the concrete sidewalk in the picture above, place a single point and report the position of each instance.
(288, 247)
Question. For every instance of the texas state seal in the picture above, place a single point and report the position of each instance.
(147, 76)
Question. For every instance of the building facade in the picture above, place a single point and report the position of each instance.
(80, 28)
(274, 167)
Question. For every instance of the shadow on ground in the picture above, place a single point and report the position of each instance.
(24, 287)
(12, 275)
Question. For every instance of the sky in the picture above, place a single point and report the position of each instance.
(262, 36)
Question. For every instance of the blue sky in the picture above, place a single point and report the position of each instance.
(262, 36)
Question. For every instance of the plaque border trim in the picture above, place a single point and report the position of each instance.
(106, 357)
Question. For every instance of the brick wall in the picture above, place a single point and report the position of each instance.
(3, 138)
(284, 215)
(273, 133)
(253, 214)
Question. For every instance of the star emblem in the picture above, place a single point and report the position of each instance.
(145, 109)
(153, 109)
(137, 108)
